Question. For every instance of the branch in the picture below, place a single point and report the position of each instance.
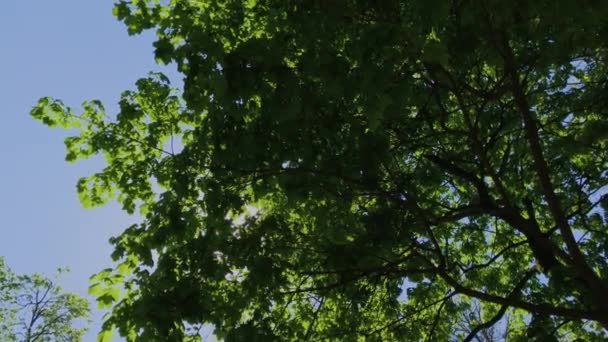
(455, 170)
(379, 271)
(593, 281)
(436, 320)
(416, 311)
(496, 256)
(314, 320)
(544, 309)
(502, 310)
(542, 247)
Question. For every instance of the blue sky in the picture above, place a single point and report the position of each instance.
(74, 50)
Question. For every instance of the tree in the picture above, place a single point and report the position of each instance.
(356, 170)
(34, 308)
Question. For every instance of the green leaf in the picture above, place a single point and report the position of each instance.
(105, 336)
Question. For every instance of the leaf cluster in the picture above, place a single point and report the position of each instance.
(355, 170)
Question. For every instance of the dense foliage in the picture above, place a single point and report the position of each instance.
(357, 170)
(35, 308)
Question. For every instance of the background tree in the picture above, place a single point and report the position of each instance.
(35, 308)
(356, 170)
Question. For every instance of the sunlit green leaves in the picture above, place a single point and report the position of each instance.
(34, 307)
(105, 336)
(383, 150)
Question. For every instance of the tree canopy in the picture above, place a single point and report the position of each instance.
(35, 308)
(357, 170)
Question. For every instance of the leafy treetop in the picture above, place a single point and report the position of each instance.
(356, 170)
(35, 308)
